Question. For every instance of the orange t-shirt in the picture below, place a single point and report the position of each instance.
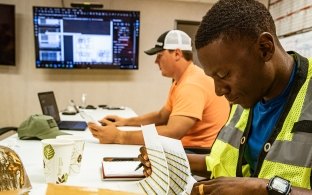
(194, 96)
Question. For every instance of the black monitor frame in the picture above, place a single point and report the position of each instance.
(104, 39)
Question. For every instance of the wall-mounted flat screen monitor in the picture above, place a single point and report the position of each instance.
(7, 34)
(69, 38)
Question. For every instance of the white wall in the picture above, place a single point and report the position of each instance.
(143, 90)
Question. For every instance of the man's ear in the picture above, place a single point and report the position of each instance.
(178, 54)
(266, 45)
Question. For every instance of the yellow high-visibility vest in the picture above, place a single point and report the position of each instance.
(288, 153)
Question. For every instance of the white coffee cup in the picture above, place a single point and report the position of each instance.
(77, 154)
(56, 159)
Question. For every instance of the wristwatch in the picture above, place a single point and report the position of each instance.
(278, 186)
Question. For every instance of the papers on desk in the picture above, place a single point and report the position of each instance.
(170, 167)
(121, 169)
(171, 172)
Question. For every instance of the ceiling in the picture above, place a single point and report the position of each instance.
(198, 1)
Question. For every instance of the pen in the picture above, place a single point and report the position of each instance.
(139, 166)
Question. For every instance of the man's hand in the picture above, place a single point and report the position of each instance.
(145, 161)
(113, 119)
(231, 186)
(106, 134)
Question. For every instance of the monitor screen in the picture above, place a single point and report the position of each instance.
(71, 38)
(7, 34)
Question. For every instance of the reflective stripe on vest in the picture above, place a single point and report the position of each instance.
(225, 148)
(233, 135)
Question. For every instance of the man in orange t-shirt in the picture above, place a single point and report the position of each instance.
(193, 112)
(193, 96)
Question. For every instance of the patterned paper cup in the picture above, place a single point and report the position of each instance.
(77, 154)
(56, 159)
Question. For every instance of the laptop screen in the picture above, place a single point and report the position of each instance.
(48, 105)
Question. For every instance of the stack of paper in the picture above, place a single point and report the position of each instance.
(170, 167)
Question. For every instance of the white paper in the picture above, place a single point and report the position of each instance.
(170, 168)
(122, 168)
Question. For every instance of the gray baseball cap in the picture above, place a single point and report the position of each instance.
(39, 126)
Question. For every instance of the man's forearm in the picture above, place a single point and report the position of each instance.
(146, 119)
(198, 165)
(130, 137)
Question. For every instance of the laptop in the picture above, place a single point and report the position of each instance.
(49, 107)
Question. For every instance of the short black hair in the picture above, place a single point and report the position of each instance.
(188, 55)
(233, 19)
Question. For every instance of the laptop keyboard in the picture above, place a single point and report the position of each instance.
(72, 125)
